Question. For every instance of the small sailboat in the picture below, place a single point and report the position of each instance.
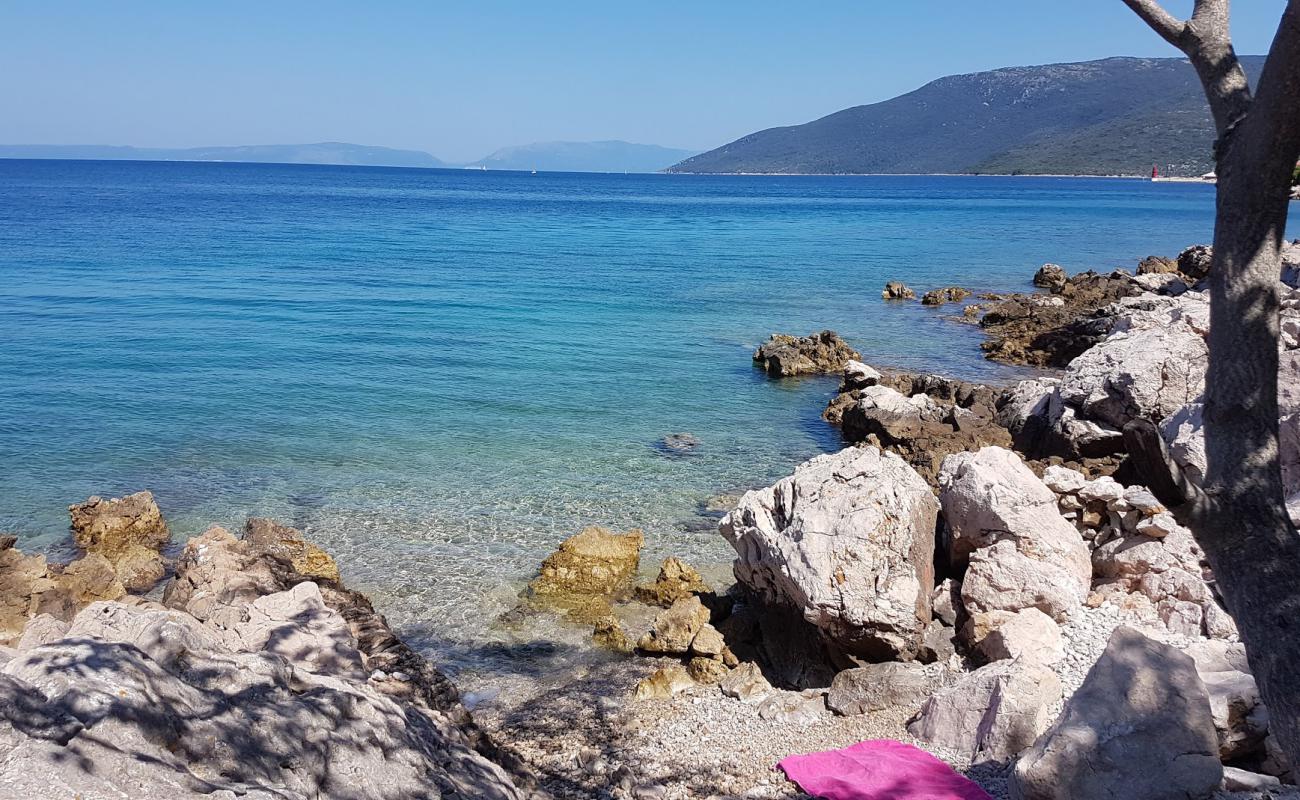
(1155, 172)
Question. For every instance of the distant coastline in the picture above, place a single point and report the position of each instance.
(457, 168)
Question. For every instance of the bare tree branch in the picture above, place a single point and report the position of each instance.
(1212, 15)
(1169, 27)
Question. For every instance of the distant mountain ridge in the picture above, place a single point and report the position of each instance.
(604, 156)
(1115, 116)
(318, 153)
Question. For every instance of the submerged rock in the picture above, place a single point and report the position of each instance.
(128, 531)
(678, 444)
(587, 571)
(783, 356)
(677, 580)
(848, 541)
(948, 294)
(109, 527)
(1051, 276)
(895, 290)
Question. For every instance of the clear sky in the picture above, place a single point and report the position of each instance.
(460, 79)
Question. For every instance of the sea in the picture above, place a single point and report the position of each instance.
(438, 375)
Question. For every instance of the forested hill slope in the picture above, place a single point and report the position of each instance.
(1117, 116)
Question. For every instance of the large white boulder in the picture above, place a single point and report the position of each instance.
(848, 540)
(1005, 523)
(161, 708)
(1151, 365)
(1139, 726)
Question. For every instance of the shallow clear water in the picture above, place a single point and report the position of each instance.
(440, 374)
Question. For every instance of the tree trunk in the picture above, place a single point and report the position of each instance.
(1241, 521)
(1240, 518)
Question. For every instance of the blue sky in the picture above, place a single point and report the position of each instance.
(460, 79)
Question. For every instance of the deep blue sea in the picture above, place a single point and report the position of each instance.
(440, 374)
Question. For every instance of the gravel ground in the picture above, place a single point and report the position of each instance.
(589, 739)
(573, 720)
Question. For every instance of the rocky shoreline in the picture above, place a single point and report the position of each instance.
(872, 601)
(983, 572)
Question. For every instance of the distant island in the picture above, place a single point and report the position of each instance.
(1116, 116)
(319, 153)
(607, 156)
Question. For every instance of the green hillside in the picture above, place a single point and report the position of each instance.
(1108, 117)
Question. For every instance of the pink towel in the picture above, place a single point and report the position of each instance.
(879, 770)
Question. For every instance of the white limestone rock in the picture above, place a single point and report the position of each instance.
(1028, 634)
(848, 540)
(1151, 365)
(990, 714)
(1004, 521)
(1139, 726)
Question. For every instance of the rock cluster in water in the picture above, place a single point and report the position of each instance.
(784, 356)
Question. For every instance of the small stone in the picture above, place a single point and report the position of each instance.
(1104, 489)
(1063, 480)
(608, 633)
(793, 708)
(664, 683)
(747, 684)
(706, 670)
(1142, 500)
(708, 642)
(675, 629)
(1158, 526)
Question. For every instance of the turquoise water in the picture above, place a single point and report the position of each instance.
(440, 374)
